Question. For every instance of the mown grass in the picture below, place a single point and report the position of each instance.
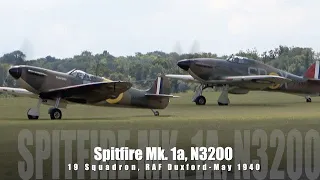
(256, 110)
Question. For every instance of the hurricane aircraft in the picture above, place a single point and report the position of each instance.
(58, 89)
(239, 75)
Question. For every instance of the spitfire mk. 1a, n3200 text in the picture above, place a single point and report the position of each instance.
(59, 89)
(239, 75)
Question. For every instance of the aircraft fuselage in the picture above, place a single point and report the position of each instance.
(37, 80)
(205, 69)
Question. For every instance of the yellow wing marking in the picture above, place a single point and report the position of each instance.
(115, 100)
(275, 86)
(106, 80)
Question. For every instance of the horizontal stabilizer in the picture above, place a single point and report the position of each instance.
(162, 95)
(314, 81)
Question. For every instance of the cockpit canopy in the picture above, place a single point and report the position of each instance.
(239, 59)
(82, 75)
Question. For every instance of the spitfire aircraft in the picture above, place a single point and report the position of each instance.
(58, 89)
(239, 75)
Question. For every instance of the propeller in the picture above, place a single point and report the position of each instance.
(27, 48)
(195, 48)
(5, 82)
(177, 48)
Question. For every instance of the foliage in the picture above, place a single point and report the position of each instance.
(142, 69)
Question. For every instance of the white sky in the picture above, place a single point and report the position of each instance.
(63, 28)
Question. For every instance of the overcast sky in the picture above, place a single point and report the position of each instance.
(63, 28)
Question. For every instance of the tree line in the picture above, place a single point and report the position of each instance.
(141, 69)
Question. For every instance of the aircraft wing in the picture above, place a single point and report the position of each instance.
(254, 81)
(17, 92)
(91, 92)
(249, 82)
(182, 77)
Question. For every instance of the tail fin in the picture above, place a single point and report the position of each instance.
(159, 94)
(161, 86)
(313, 71)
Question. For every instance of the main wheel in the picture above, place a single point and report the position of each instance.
(50, 109)
(31, 117)
(55, 113)
(200, 100)
(222, 104)
(156, 113)
(308, 100)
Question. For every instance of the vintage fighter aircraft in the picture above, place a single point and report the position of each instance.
(59, 89)
(239, 75)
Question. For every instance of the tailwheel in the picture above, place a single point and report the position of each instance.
(55, 113)
(308, 100)
(33, 114)
(155, 113)
(200, 100)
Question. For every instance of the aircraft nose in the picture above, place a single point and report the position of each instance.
(184, 64)
(15, 72)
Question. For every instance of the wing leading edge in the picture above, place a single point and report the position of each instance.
(17, 92)
(250, 82)
(182, 77)
(91, 92)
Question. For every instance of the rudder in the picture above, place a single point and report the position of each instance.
(313, 71)
(160, 86)
(159, 94)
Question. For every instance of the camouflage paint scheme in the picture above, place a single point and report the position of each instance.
(38, 80)
(242, 75)
(219, 68)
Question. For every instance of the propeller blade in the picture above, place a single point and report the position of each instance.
(195, 48)
(177, 48)
(27, 48)
(5, 82)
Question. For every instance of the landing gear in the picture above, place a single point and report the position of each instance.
(223, 98)
(33, 113)
(200, 100)
(155, 113)
(54, 112)
(308, 99)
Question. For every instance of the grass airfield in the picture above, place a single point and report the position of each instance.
(256, 110)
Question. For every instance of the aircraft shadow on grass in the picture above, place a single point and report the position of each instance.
(119, 118)
(257, 104)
